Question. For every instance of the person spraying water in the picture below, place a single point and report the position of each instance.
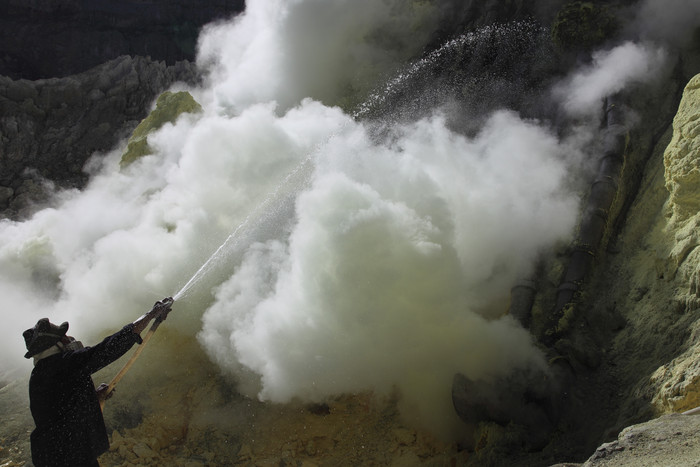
(70, 430)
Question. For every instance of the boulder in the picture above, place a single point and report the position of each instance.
(670, 440)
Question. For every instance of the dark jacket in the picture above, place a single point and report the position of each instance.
(70, 430)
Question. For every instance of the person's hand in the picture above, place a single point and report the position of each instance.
(159, 312)
(103, 392)
(161, 309)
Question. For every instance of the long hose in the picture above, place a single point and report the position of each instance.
(128, 364)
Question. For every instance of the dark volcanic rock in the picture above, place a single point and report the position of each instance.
(55, 38)
(468, 15)
(49, 128)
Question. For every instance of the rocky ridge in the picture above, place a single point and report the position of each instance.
(49, 128)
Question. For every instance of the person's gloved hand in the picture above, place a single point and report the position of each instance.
(161, 308)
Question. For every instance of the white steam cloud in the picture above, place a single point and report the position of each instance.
(390, 272)
(397, 257)
(611, 71)
(286, 51)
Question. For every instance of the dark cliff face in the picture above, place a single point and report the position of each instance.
(461, 17)
(48, 38)
(49, 128)
(77, 76)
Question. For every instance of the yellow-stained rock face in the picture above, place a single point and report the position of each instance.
(682, 174)
(169, 106)
(682, 157)
(678, 382)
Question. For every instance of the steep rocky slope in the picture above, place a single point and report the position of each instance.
(646, 290)
(676, 384)
(637, 338)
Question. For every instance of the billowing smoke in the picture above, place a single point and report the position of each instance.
(399, 256)
(285, 51)
(353, 262)
(610, 72)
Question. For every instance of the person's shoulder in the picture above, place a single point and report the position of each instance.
(77, 354)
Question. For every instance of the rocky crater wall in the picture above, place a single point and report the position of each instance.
(49, 128)
(677, 383)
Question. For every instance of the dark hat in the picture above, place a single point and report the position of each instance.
(42, 336)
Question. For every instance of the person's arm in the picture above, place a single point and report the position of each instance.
(92, 359)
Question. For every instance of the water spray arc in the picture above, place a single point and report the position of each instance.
(263, 222)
